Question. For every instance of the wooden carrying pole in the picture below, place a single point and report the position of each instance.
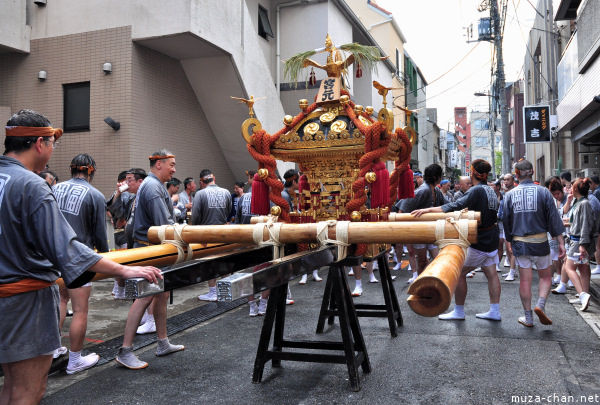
(158, 256)
(434, 216)
(358, 233)
(431, 293)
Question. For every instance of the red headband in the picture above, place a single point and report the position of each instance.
(90, 169)
(482, 177)
(33, 131)
(156, 157)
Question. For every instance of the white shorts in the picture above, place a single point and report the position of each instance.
(554, 255)
(501, 235)
(579, 260)
(425, 246)
(477, 258)
(528, 262)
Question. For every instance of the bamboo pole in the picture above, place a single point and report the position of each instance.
(358, 233)
(158, 255)
(433, 216)
(431, 293)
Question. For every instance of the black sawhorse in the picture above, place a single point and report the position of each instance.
(352, 344)
(390, 309)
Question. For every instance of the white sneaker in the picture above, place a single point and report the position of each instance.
(120, 293)
(372, 278)
(210, 296)
(316, 276)
(470, 274)
(575, 301)
(375, 265)
(148, 327)
(144, 318)
(59, 352)
(351, 272)
(506, 262)
(262, 306)
(253, 309)
(498, 269)
(585, 301)
(357, 291)
(303, 279)
(556, 280)
(84, 363)
(560, 289)
(410, 280)
(596, 270)
(398, 266)
(510, 276)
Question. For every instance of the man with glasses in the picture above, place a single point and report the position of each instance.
(35, 237)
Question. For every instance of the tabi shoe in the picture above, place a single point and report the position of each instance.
(84, 363)
(596, 270)
(393, 278)
(544, 320)
(144, 318)
(523, 321)
(351, 272)
(357, 291)
(372, 278)
(209, 296)
(506, 262)
(498, 269)
(262, 306)
(478, 269)
(129, 359)
(491, 316)
(512, 274)
(470, 274)
(398, 266)
(556, 280)
(451, 316)
(410, 280)
(114, 290)
(303, 279)
(316, 276)
(59, 352)
(148, 327)
(289, 301)
(570, 284)
(253, 309)
(171, 349)
(585, 302)
(120, 293)
(560, 289)
(575, 301)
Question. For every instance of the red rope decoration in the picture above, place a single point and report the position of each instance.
(260, 150)
(401, 164)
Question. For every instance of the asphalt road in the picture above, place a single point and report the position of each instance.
(431, 361)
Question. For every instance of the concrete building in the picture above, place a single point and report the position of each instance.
(173, 67)
(485, 136)
(462, 130)
(514, 104)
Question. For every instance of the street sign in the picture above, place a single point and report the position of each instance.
(536, 124)
(443, 140)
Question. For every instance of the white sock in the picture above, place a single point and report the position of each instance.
(150, 318)
(459, 310)
(212, 290)
(74, 357)
(358, 283)
(415, 275)
(495, 308)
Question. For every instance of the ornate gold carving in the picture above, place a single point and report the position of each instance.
(287, 120)
(370, 177)
(276, 210)
(355, 216)
(327, 118)
(364, 120)
(311, 129)
(303, 104)
(344, 100)
(249, 127)
(358, 109)
(263, 173)
(369, 110)
(338, 126)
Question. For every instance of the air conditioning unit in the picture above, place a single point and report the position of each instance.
(589, 160)
(587, 172)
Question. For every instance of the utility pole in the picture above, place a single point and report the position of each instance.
(500, 80)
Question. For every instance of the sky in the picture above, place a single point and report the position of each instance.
(435, 31)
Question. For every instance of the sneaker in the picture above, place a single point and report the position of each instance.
(144, 318)
(498, 269)
(596, 270)
(544, 320)
(148, 327)
(303, 279)
(585, 302)
(59, 352)
(570, 284)
(171, 348)
(316, 276)
(556, 280)
(511, 275)
(478, 269)
(84, 363)
(560, 289)
(523, 321)
(69, 312)
(114, 290)
(211, 296)
(398, 266)
(262, 306)
(357, 291)
(410, 280)
(127, 358)
(253, 309)
(470, 274)
(575, 301)
(506, 262)
(372, 278)
(289, 301)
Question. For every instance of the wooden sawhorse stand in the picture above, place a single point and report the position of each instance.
(390, 309)
(352, 344)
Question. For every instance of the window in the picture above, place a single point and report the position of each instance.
(482, 124)
(397, 63)
(264, 26)
(424, 144)
(76, 108)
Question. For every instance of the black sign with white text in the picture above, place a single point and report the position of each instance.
(536, 124)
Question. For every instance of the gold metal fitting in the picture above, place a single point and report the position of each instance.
(287, 120)
(303, 104)
(369, 110)
(358, 109)
(370, 177)
(276, 210)
(263, 173)
(355, 216)
(344, 100)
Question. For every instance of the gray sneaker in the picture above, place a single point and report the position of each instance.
(127, 358)
(167, 348)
